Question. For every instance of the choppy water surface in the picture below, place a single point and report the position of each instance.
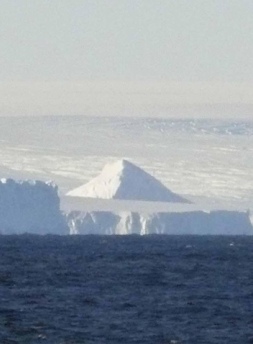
(154, 289)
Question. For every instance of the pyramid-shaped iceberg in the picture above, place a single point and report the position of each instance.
(125, 181)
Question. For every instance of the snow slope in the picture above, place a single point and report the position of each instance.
(30, 207)
(125, 181)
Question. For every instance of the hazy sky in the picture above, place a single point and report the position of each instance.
(126, 57)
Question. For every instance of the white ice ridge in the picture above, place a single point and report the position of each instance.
(30, 207)
(126, 181)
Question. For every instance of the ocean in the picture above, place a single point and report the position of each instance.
(126, 289)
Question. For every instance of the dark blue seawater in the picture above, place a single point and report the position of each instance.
(126, 289)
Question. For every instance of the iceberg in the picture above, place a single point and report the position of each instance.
(35, 207)
(30, 207)
(123, 180)
(198, 222)
(124, 199)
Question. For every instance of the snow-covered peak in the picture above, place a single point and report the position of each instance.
(126, 181)
(118, 167)
(121, 169)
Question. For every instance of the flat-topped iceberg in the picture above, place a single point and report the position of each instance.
(125, 181)
(216, 222)
(30, 207)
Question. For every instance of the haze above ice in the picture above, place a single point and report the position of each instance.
(126, 58)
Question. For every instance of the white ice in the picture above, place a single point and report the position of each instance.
(126, 181)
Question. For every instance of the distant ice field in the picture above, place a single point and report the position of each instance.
(203, 158)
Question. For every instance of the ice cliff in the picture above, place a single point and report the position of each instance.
(125, 181)
(34, 207)
(30, 207)
(216, 222)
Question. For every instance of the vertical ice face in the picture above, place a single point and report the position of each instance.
(199, 222)
(30, 207)
(126, 181)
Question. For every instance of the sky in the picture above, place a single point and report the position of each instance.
(126, 57)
